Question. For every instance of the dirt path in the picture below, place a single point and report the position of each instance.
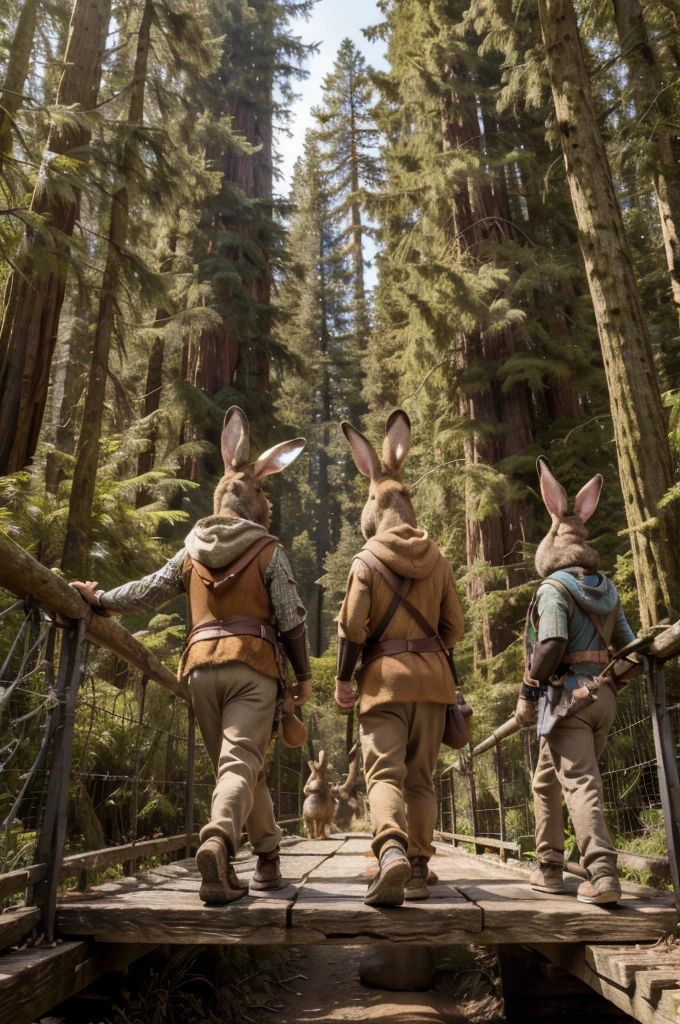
(331, 992)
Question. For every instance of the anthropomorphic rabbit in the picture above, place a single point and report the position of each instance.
(319, 805)
(401, 612)
(242, 600)
(573, 622)
(347, 803)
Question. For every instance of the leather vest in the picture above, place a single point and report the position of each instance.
(244, 595)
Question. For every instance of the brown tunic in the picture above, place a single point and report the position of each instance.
(247, 594)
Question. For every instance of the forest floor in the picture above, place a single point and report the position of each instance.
(324, 988)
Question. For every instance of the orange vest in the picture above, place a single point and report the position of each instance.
(247, 594)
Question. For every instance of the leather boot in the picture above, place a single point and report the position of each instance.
(219, 882)
(547, 878)
(416, 887)
(394, 871)
(605, 889)
(267, 874)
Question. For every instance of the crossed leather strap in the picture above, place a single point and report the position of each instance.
(377, 648)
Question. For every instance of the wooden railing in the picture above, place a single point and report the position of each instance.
(65, 625)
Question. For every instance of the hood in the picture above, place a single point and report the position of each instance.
(594, 593)
(406, 550)
(217, 541)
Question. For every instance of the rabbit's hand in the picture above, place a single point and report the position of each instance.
(300, 691)
(345, 696)
(526, 711)
(88, 591)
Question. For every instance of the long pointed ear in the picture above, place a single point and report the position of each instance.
(277, 458)
(322, 758)
(588, 497)
(397, 441)
(312, 766)
(554, 494)
(235, 438)
(363, 452)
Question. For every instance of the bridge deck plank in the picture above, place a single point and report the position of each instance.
(324, 902)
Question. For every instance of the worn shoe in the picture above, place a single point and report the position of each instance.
(219, 882)
(432, 877)
(417, 885)
(387, 888)
(267, 873)
(605, 889)
(547, 878)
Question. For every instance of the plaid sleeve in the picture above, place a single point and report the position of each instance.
(288, 607)
(149, 593)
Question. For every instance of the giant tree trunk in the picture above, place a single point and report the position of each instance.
(644, 456)
(651, 101)
(78, 529)
(33, 294)
(16, 74)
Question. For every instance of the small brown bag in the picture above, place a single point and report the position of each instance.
(457, 726)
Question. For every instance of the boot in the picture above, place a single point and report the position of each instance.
(394, 871)
(219, 882)
(267, 873)
(416, 887)
(547, 878)
(605, 889)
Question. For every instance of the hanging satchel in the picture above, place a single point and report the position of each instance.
(457, 724)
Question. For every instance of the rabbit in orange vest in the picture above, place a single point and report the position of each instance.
(405, 680)
(242, 602)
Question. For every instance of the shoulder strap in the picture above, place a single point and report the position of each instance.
(571, 604)
(401, 587)
(215, 577)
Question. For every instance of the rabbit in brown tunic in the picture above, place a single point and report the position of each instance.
(405, 681)
(242, 601)
(319, 805)
(573, 623)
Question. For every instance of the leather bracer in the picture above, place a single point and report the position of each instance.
(348, 655)
(294, 643)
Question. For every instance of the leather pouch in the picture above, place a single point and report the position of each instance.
(457, 726)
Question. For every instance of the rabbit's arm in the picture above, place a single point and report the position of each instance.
(288, 608)
(353, 620)
(147, 594)
(451, 622)
(623, 634)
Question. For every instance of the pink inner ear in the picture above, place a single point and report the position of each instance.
(363, 452)
(234, 442)
(587, 498)
(554, 494)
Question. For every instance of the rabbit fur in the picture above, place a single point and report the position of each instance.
(319, 805)
(389, 498)
(566, 544)
(239, 493)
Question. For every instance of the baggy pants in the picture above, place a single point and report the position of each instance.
(567, 764)
(400, 744)
(234, 707)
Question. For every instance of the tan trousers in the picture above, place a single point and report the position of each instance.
(234, 707)
(567, 764)
(400, 744)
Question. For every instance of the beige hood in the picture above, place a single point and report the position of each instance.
(406, 550)
(217, 541)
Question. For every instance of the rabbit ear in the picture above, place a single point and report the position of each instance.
(363, 452)
(312, 766)
(588, 497)
(322, 758)
(397, 441)
(277, 458)
(235, 438)
(554, 494)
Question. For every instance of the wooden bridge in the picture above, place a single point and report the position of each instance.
(625, 953)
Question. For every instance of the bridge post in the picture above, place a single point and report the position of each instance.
(50, 847)
(501, 799)
(667, 769)
(191, 775)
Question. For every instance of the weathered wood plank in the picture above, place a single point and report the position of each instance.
(314, 846)
(621, 964)
(95, 860)
(21, 574)
(33, 981)
(359, 845)
(16, 881)
(572, 958)
(16, 924)
(162, 915)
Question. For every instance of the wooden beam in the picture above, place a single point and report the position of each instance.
(16, 924)
(17, 881)
(497, 844)
(95, 860)
(21, 574)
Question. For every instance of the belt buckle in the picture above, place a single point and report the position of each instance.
(262, 632)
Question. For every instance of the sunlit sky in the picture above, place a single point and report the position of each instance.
(331, 22)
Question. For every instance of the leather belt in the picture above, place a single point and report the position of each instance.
(388, 648)
(236, 625)
(578, 657)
